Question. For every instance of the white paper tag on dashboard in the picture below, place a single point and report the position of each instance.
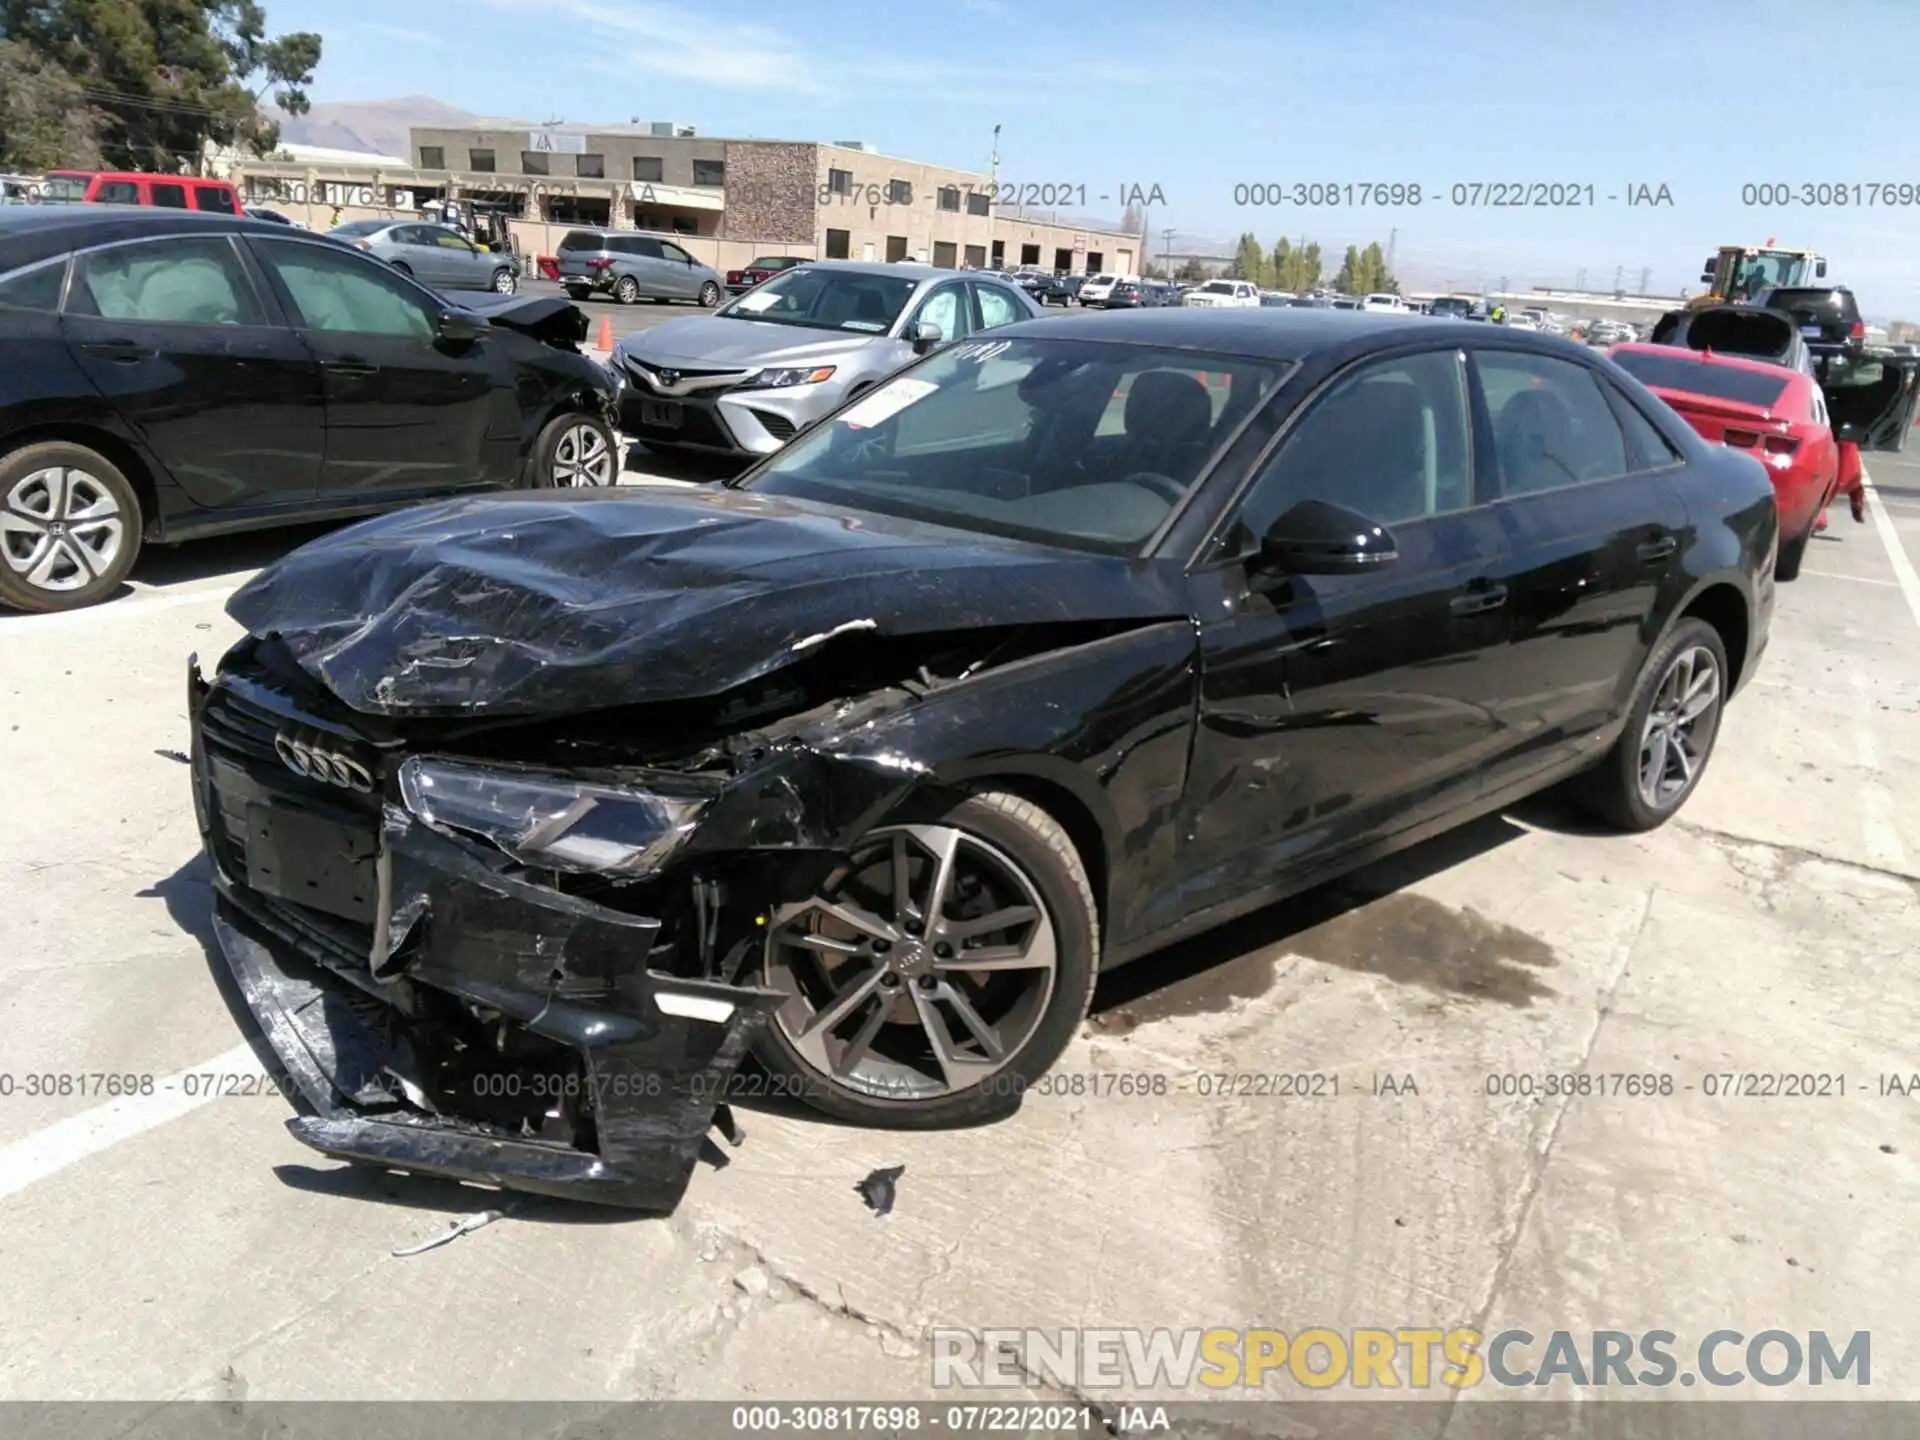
(886, 402)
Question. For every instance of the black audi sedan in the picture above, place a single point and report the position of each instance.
(167, 374)
(530, 816)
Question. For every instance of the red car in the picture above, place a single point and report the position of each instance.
(1777, 414)
(764, 268)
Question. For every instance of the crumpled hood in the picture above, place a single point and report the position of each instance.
(586, 600)
(709, 342)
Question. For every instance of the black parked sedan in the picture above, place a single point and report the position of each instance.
(167, 374)
(1064, 643)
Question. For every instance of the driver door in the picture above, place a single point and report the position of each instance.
(1336, 710)
(1871, 399)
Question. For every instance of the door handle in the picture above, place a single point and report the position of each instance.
(123, 352)
(1658, 549)
(1479, 601)
(351, 366)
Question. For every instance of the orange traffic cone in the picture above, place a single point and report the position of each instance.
(606, 335)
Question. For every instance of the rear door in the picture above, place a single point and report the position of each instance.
(407, 412)
(198, 363)
(1871, 399)
(641, 257)
(1595, 528)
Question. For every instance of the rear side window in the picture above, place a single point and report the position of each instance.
(580, 240)
(117, 192)
(173, 197)
(35, 289)
(1552, 426)
(214, 198)
(195, 281)
(645, 247)
(1651, 449)
(1700, 377)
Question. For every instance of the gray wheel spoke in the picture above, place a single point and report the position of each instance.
(846, 1002)
(961, 931)
(47, 574)
(944, 845)
(861, 1043)
(1701, 694)
(865, 921)
(984, 1034)
(822, 944)
(904, 905)
(1671, 750)
(956, 1069)
(996, 957)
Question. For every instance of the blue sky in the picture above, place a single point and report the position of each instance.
(1701, 96)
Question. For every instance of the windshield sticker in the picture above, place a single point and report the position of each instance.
(871, 327)
(980, 351)
(755, 302)
(885, 403)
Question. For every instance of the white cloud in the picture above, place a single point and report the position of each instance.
(396, 32)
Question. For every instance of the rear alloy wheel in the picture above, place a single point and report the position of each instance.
(576, 452)
(709, 295)
(505, 282)
(937, 973)
(1669, 735)
(627, 292)
(69, 527)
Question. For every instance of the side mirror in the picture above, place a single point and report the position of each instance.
(1819, 269)
(924, 336)
(1316, 537)
(460, 326)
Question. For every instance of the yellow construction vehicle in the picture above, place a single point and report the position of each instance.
(1734, 273)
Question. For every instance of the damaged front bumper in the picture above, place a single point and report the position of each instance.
(440, 1013)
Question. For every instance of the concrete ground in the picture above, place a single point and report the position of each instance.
(191, 1249)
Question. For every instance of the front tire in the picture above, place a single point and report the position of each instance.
(709, 295)
(627, 292)
(574, 452)
(69, 527)
(505, 282)
(936, 974)
(1669, 736)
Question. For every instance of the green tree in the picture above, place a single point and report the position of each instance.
(1347, 280)
(1190, 271)
(45, 122)
(1279, 260)
(168, 76)
(1249, 261)
(1300, 271)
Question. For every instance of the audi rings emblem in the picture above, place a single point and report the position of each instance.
(307, 756)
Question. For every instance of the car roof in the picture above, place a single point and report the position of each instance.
(29, 233)
(1278, 333)
(1709, 357)
(895, 268)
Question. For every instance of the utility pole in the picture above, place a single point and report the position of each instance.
(993, 193)
(1618, 271)
(1393, 243)
(1166, 251)
(1646, 279)
(1580, 280)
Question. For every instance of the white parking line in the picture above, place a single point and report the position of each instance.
(1896, 552)
(34, 1157)
(1882, 833)
(1857, 579)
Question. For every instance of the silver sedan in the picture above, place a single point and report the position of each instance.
(435, 255)
(747, 378)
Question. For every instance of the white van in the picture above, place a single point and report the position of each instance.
(1098, 287)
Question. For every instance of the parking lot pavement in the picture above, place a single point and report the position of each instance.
(184, 1246)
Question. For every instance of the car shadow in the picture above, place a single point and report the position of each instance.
(193, 560)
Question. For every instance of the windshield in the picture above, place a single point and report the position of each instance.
(63, 190)
(1452, 307)
(770, 262)
(1702, 377)
(360, 227)
(1217, 287)
(1076, 443)
(818, 299)
(1750, 274)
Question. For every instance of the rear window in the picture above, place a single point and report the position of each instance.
(582, 240)
(1700, 377)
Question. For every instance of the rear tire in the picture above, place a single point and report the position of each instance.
(1013, 854)
(1786, 565)
(69, 527)
(1660, 733)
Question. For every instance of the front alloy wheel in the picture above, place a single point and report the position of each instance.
(504, 281)
(709, 295)
(582, 455)
(938, 971)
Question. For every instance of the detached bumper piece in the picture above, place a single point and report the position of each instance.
(441, 1015)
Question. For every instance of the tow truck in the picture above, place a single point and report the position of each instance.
(1734, 273)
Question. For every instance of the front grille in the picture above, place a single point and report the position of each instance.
(774, 423)
(242, 769)
(649, 371)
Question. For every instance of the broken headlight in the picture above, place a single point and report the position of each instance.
(552, 822)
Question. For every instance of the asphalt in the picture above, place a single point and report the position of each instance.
(192, 1249)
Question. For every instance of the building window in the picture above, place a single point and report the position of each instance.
(480, 160)
(685, 225)
(710, 172)
(1029, 254)
(590, 167)
(899, 192)
(839, 182)
(949, 198)
(647, 167)
(896, 249)
(839, 244)
(978, 203)
(976, 257)
(433, 157)
(533, 162)
(944, 254)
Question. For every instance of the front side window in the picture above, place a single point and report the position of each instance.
(946, 307)
(118, 192)
(345, 295)
(1552, 426)
(826, 300)
(1390, 441)
(1082, 444)
(196, 281)
(449, 240)
(671, 251)
(998, 307)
